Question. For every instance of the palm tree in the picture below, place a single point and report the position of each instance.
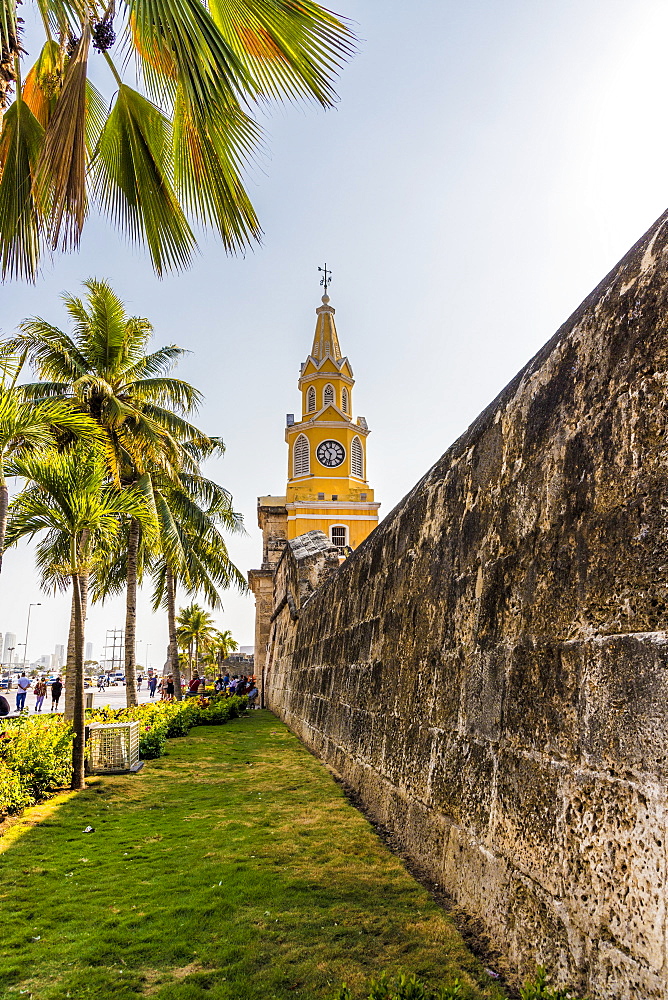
(154, 161)
(68, 498)
(104, 370)
(219, 647)
(195, 629)
(193, 552)
(26, 426)
(189, 549)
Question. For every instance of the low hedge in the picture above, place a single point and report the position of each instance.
(36, 751)
(35, 759)
(161, 721)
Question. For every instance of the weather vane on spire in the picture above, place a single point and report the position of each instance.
(326, 279)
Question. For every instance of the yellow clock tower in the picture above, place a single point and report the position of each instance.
(327, 485)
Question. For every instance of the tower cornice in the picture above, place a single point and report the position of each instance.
(314, 376)
(306, 425)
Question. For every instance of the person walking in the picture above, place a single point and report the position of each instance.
(170, 689)
(152, 685)
(22, 689)
(40, 693)
(193, 686)
(56, 691)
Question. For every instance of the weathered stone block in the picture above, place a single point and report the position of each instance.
(462, 780)
(614, 864)
(626, 693)
(542, 704)
(525, 817)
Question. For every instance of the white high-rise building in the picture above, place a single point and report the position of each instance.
(89, 651)
(59, 656)
(10, 643)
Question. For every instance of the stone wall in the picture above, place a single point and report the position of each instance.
(489, 670)
(272, 519)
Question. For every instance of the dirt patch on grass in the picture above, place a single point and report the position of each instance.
(154, 979)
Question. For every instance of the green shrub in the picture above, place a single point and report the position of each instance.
(182, 720)
(403, 988)
(152, 743)
(410, 988)
(13, 795)
(38, 751)
(539, 989)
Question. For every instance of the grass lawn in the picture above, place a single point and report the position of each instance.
(231, 868)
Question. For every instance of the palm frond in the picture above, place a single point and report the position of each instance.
(167, 391)
(61, 176)
(8, 26)
(21, 143)
(289, 49)
(53, 353)
(157, 364)
(96, 116)
(132, 183)
(182, 37)
(209, 153)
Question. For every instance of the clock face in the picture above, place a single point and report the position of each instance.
(330, 454)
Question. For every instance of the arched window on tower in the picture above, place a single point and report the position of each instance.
(301, 458)
(345, 401)
(328, 395)
(310, 400)
(357, 459)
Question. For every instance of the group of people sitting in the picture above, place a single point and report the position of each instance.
(238, 685)
(224, 684)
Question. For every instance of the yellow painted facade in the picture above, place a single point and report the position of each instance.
(327, 487)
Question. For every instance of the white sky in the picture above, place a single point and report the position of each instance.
(487, 164)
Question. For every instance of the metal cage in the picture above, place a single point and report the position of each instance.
(113, 748)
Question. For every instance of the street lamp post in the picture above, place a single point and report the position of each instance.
(36, 604)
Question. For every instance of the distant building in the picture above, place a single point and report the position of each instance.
(59, 657)
(242, 662)
(247, 650)
(89, 651)
(10, 643)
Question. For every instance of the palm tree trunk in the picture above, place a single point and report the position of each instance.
(4, 504)
(170, 584)
(78, 720)
(131, 615)
(70, 666)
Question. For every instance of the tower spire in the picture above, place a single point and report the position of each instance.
(326, 339)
